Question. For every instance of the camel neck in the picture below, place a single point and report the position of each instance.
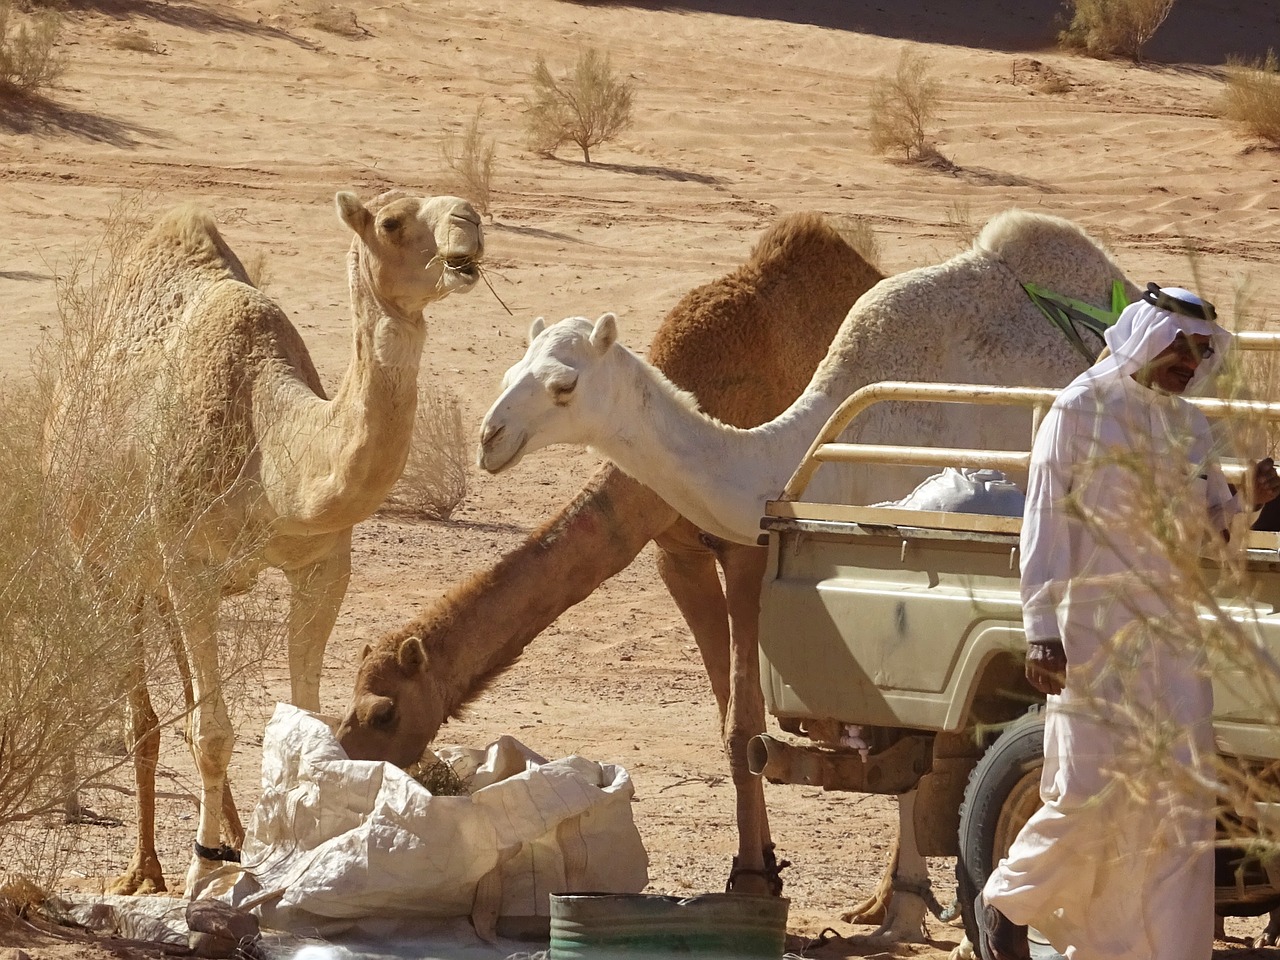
(717, 476)
(359, 440)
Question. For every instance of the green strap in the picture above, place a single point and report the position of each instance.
(1065, 313)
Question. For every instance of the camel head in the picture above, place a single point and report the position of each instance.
(394, 712)
(558, 393)
(412, 251)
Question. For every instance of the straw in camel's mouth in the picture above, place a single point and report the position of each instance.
(466, 267)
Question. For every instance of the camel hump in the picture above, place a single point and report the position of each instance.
(1021, 237)
(186, 238)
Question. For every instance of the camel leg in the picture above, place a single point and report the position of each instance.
(904, 918)
(756, 869)
(195, 605)
(144, 874)
(688, 569)
(876, 907)
(316, 597)
(230, 815)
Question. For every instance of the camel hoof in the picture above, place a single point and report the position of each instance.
(903, 922)
(963, 951)
(142, 878)
(873, 911)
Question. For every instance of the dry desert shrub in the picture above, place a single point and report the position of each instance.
(1114, 27)
(903, 107)
(437, 474)
(469, 160)
(589, 106)
(858, 233)
(339, 21)
(79, 622)
(136, 39)
(1252, 97)
(28, 56)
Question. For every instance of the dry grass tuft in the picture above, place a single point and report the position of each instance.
(339, 21)
(29, 60)
(1252, 97)
(440, 779)
(961, 224)
(588, 107)
(136, 39)
(903, 107)
(858, 233)
(469, 160)
(437, 475)
(1104, 28)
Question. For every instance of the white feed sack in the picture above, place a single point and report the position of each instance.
(347, 840)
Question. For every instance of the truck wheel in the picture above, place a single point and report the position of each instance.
(1003, 793)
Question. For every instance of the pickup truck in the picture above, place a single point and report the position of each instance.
(892, 653)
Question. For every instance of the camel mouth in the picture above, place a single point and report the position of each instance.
(466, 267)
(489, 464)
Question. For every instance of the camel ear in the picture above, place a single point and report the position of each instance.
(368, 648)
(411, 656)
(605, 332)
(535, 328)
(352, 211)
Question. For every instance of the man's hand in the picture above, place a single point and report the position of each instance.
(1266, 483)
(1046, 665)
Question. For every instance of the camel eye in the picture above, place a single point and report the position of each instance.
(561, 393)
(391, 224)
(382, 714)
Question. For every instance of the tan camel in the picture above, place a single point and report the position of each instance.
(746, 344)
(246, 464)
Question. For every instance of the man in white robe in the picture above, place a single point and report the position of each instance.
(1124, 492)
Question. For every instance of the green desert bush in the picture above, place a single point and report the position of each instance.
(1114, 27)
(29, 59)
(589, 106)
(1252, 97)
(469, 160)
(903, 108)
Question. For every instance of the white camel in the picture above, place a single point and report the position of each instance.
(965, 320)
(204, 390)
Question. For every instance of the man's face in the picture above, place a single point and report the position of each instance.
(1173, 367)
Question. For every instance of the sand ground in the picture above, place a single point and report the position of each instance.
(743, 112)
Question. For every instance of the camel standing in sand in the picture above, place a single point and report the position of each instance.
(967, 320)
(246, 463)
(773, 319)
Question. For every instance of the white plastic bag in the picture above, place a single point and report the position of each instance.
(346, 839)
(962, 490)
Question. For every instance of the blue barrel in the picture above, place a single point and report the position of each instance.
(613, 926)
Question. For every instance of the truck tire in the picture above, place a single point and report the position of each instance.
(1003, 793)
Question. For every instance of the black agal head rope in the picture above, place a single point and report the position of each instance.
(1166, 301)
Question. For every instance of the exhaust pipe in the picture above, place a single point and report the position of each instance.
(896, 769)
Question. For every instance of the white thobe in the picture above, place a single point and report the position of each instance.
(1118, 862)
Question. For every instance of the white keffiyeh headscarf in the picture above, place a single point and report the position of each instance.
(1148, 325)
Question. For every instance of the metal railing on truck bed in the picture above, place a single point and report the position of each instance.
(826, 448)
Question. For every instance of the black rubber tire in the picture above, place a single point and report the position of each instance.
(1018, 753)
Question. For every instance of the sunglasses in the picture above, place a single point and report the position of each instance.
(1187, 350)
